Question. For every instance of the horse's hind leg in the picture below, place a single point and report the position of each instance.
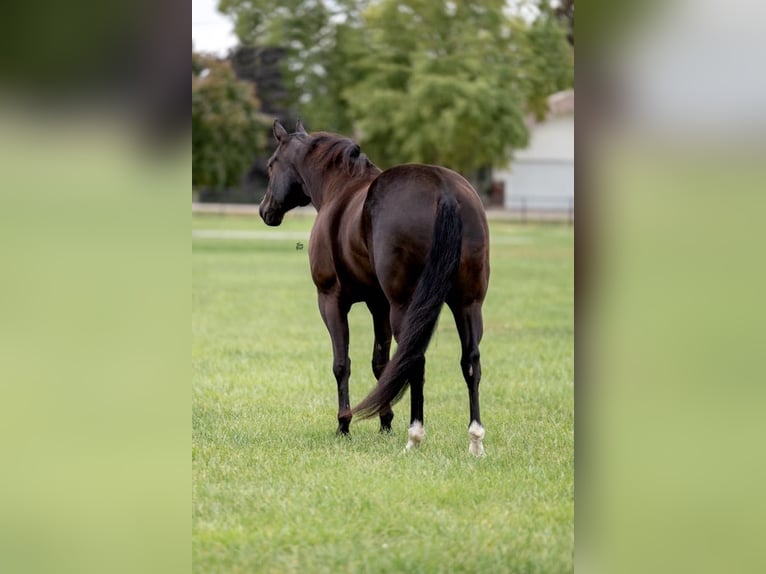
(417, 377)
(416, 432)
(470, 327)
(335, 315)
(381, 351)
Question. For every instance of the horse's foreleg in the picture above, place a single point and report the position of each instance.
(470, 328)
(381, 351)
(335, 315)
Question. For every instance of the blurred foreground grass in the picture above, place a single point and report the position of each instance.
(94, 396)
(670, 387)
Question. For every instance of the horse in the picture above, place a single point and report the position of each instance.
(404, 241)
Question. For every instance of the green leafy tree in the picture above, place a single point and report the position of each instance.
(549, 60)
(227, 130)
(441, 83)
(321, 38)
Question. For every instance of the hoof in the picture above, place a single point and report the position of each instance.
(416, 435)
(476, 432)
(343, 424)
(385, 422)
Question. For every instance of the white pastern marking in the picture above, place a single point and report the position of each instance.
(476, 432)
(416, 433)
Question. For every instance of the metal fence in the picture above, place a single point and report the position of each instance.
(537, 207)
(523, 210)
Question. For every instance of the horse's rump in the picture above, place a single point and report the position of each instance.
(400, 211)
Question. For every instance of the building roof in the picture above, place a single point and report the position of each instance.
(561, 103)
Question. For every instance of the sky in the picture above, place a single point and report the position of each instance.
(211, 30)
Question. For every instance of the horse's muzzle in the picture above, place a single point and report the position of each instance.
(271, 217)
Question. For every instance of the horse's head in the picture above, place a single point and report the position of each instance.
(286, 187)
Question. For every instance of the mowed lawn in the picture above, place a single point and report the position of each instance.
(274, 490)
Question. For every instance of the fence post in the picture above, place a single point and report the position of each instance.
(523, 209)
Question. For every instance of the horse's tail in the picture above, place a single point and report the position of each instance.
(418, 325)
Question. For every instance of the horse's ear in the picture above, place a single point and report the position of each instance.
(280, 132)
(299, 129)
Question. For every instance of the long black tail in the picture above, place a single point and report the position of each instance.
(433, 286)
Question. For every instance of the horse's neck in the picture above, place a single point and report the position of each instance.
(332, 188)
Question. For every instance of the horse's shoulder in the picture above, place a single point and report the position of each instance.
(321, 257)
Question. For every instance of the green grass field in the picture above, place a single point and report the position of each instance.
(274, 490)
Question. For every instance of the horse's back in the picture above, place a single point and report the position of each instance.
(400, 211)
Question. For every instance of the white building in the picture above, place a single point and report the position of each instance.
(540, 178)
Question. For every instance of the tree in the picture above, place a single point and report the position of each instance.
(440, 84)
(565, 13)
(319, 37)
(227, 130)
(549, 62)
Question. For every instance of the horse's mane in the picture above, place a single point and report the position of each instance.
(338, 153)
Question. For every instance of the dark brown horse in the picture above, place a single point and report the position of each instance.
(404, 241)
